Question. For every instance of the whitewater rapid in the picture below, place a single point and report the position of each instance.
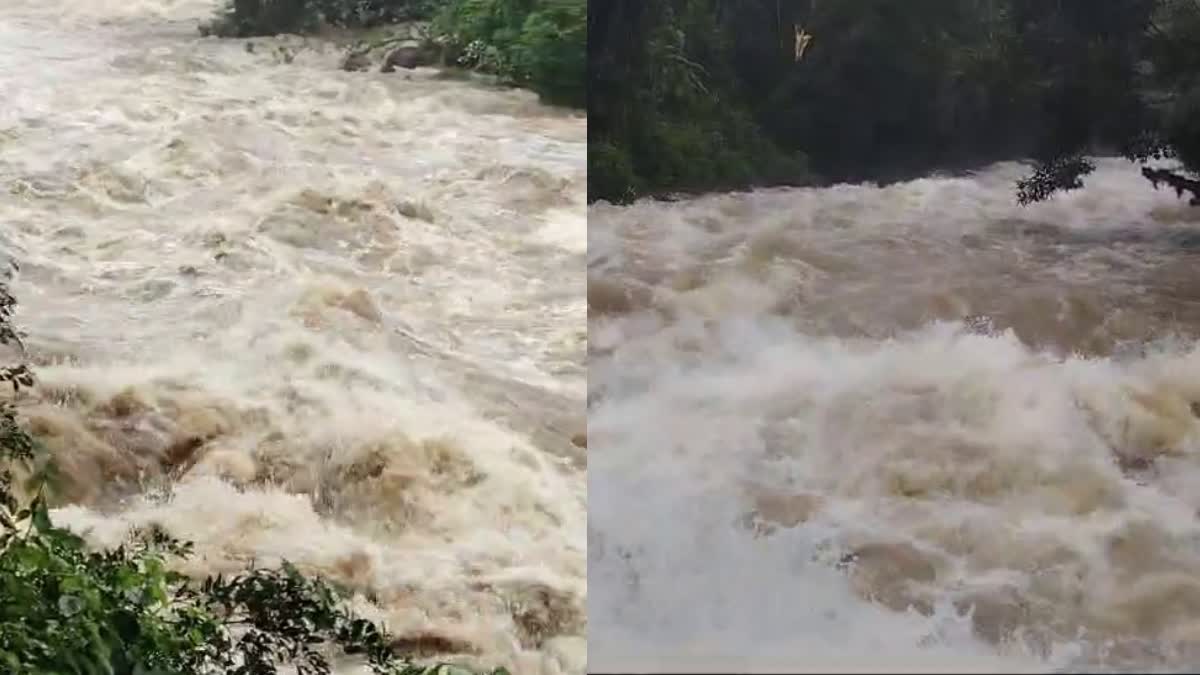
(289, 312)
(912, 428)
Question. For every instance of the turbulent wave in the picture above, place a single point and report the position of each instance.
(915, 427)
(292, 312)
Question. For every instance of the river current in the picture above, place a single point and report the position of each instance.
(907, 428)
(290, 312)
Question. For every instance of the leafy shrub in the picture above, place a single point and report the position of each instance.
(551, 52)
(68, 610)
(1061, 173)
(610, 174)
(540, 44)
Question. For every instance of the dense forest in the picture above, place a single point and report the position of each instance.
(696, 95)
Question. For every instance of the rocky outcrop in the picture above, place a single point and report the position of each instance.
(408, 55)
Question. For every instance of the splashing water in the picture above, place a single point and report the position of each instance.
(914, 428)
(339, 315)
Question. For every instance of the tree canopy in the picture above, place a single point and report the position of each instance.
(712, 94)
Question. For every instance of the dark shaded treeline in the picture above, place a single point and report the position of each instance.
(693, 95)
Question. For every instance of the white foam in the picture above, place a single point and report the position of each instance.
(315, 269)
(801, 359)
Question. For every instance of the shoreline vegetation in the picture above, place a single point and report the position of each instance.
(538, 45)
(695, 96)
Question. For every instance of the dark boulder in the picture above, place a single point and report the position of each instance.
(408, 58)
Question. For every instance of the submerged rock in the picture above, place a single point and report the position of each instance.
(415, 210)
(356, 61)
(408, 57)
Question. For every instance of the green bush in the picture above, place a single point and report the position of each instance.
(540, 44)
(610, 174)
(68, 610)
(551, 52)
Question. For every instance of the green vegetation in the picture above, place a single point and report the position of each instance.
(665, 112)
(68, 610)
(710, 94)
(538, 44)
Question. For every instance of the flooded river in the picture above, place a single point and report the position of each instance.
(913, 428)
(290, 312)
